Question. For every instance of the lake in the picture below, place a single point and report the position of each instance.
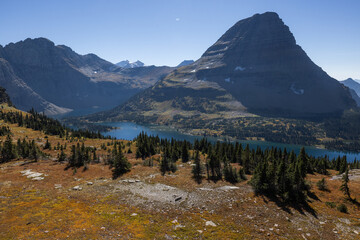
(129, 130)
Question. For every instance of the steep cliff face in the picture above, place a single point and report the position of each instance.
(64, 78)
(22, 95)
(255, 67)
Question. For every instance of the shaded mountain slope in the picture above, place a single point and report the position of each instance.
(64, 78)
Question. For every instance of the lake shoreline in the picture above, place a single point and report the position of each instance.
(129, 130)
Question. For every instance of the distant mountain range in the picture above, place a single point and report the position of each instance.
(127, 64)
(354, 86)
(256, 67)
(57, 80)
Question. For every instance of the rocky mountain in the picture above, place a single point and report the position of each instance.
(185, 63)
(56, 80)
(353, 84)
(354, 87)
(127, 64)
(256, 67)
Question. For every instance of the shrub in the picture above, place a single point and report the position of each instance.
(342, 208)
(331, 204)
(322, 185)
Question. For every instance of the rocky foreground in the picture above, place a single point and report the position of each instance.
(41, 201)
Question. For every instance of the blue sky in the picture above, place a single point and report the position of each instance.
(165, 32)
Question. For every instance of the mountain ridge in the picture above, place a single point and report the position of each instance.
(255, 67)
(55, 79)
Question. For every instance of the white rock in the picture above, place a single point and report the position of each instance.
(134, 214)
(77, 188)
(228, 188)
(34, 174)
(210, 223)
(178, 226)
(38, 178)
(356, 232)
(89, 183)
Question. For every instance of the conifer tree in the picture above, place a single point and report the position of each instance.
(33, 151)
(246, 160)
(47, 145)
(164, 165)
(121, 164)
(343, 165)
(303, 162)
(197, 170)
(184, 152)
(230, 173)
(259, 180)
(242, 175)
(7, 151)
(62, 156)
(344, 186)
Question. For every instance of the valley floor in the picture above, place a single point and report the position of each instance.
(143, 204)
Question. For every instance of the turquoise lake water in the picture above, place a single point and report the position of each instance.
(129, 130)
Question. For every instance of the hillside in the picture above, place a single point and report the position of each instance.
(353, 84)
(57, 80)
(256, 67)
(354, 87)
(44, 198)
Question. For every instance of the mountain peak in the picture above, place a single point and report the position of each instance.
(253, 34)
(128, 64)
(185, 63)
(255, 67)
(267, 15)
(41, 41)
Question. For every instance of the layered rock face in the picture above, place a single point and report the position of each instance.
(59, 77)
(255, 67)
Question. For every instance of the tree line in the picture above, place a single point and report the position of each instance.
(22, 149)
(274, 171)
(40, 122)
